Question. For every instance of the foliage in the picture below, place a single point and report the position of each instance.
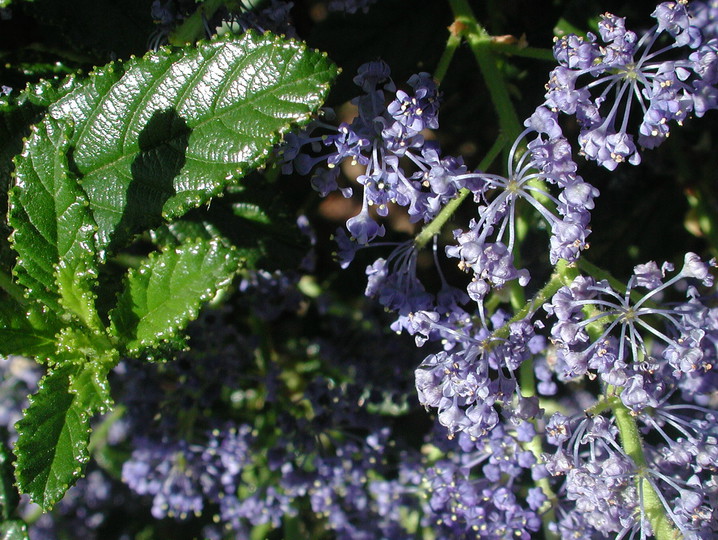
(118, 152)
(496, 319)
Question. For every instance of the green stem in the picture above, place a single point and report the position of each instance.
(632, 444)
(32, 516)
(433, 228)
(481, 44)
(452, 44)
(602, 405)
(508, 120)
(260, 532)
(563, 275)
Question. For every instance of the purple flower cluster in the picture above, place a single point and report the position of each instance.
(601, 495)
(636, 342)
(192, 453)
(187, 453)
(475, 493)
(604, 487)
(704, 15)
(487, 248)
(652, 356)
(383, 133)
(259, 431)
(647, 365)
(468, 383)
(655, 359)
(183, 478)
(380, 139)
(602, 82)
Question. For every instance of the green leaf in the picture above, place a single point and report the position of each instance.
(9, 497)
(53, 435)
(91, 387)
(166, 291)
(25, 342)
(257, 218)
(176, 233)
(18, 334)
(53, 228)
(17, 113)
(14, 529)
(165, 133)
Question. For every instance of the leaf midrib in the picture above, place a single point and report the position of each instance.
(215, 116)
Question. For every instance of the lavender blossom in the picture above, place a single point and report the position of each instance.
(385, 130)
(621, 354)
(487, 248)
(632, 75)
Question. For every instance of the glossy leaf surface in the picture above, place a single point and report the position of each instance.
(51, 448)
(165, 133)
(165, 293)
(53, 228)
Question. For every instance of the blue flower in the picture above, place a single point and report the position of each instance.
(623, 354)
(486, 249)
(632, 76)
